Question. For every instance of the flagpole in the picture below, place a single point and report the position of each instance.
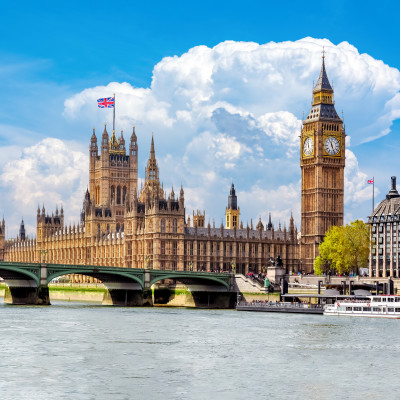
(114, 115)
(373, 193)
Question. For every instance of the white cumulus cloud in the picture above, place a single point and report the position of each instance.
(233, 113)
(48, 173)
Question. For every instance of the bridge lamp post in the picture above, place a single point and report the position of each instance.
(43, 252)
(190, 266)
(147, 261)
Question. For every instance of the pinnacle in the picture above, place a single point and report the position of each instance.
(152, 151)
(323, 81)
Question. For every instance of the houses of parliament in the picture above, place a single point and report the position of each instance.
(126, 226)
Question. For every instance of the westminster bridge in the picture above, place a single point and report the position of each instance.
(27, 283)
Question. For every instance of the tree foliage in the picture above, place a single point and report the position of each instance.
(345, 249)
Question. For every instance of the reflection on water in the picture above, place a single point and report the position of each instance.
(80, 351)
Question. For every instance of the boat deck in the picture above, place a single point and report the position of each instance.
(281, 307)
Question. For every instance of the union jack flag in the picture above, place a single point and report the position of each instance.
(107, 102)
(370, 181)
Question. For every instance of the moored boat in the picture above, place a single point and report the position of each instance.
(281, 307)
(382, 306)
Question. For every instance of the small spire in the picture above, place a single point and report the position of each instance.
(133, 136)
(152, 151)
(269, 226)
(105, 133)
(323, 81)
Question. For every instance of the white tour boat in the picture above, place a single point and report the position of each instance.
(369, 306)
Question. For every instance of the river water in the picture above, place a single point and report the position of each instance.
(81, 351)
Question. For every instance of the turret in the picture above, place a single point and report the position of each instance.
(122, 142)
(269, 226)
(232, 212)
(22, 230)
(94, 150)
(104, 141)
(181, 198)
(232, 198)
(133, 147)
(291, 228)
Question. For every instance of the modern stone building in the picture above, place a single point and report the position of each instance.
(123, 226)
(322, 161)
(385, 224)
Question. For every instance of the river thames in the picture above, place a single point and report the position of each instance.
(82, 351)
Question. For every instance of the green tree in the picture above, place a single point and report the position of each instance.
(344, 249)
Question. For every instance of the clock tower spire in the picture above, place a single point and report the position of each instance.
(322, 161)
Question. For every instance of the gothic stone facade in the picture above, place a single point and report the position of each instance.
(126, 227)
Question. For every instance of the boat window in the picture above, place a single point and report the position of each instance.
(390, 309)
(397, 309)
(397, 299)
(383, 299)
(376, 300)
(366, 308)
(390, 299)
(377, 309)
(349, 308)
(357, 308)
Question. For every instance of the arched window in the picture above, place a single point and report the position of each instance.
(118, 195)
(163, 226)
(174, 226)
(112, 194)
(123, 195)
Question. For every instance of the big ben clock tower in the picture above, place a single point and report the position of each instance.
(322, 162)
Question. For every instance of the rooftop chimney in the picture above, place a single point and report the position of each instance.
(393, 191)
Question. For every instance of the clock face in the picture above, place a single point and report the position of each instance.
(308, 146)
(332, 145)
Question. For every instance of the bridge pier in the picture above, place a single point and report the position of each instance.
(126, 294)
(127, 298)
(27, 295)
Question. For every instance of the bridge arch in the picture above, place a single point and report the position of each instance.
(99, 274)
(194, 277)
(12, 272)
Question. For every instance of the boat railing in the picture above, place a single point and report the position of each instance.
(277, 304)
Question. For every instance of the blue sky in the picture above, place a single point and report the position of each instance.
(56, 58)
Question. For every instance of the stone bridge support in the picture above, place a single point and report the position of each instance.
(126, 294)
(28, 291)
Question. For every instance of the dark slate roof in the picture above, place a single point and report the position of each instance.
(323, 81)
(240, 233)
(388, 208)
(325, 112)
